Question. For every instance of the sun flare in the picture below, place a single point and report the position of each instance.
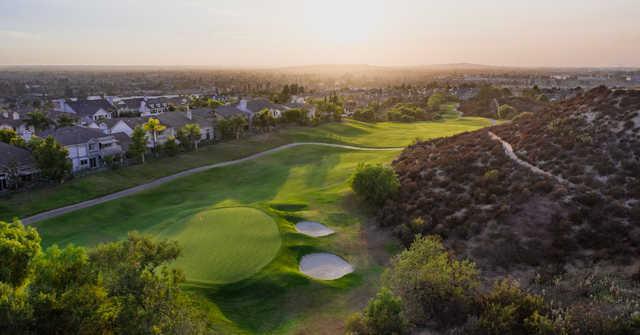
(342, 22)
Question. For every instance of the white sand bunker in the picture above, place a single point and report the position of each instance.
(324, 266)
(313, 229)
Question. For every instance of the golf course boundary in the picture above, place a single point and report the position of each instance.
(160, 181)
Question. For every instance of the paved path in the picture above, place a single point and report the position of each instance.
(143, 187)
(508, 150)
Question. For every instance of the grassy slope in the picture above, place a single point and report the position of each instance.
(277, 299)
(348, 132)
(303, 183)
(225, 245)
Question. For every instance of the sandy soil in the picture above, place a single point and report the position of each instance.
(324, 266)
(313, 229)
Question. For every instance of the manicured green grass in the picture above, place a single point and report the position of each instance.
(305, 183)
(383, 134)
(224, 245)
(207, 212)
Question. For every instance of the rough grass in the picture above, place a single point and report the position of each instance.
(224, 245)
(384, 134)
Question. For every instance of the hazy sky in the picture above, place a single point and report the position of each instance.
(299, 32)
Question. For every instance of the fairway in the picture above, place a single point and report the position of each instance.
(237, 228)
(350, 132)
(225, 245)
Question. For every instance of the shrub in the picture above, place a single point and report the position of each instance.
(382, 316)
(375, 183)
(170, 147)
(433, 285)
(509, 310)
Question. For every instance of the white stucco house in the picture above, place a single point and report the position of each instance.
(88, 111)
(87, 147)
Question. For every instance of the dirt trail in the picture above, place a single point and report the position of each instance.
(508, 150)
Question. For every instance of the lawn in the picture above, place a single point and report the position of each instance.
(224, 245)
(210, 213)
(237, 227)
(383, 134)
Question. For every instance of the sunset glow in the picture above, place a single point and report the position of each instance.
(251, 33)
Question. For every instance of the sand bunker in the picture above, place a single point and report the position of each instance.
(324, 266)
(313, 229)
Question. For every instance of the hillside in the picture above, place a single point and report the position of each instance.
(568, 230)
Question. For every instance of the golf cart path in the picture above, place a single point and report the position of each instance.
(155, 183)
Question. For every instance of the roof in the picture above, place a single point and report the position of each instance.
(133, 103)
(305, 106)
(89, 107)
(201, 116)
(11, 153)
(228, 111)
(73, 135)
(123, 140)
(11, 122)
(257, 105)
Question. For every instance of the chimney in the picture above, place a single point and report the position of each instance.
(243, 105)
(189, 116)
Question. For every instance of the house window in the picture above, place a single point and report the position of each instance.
(83, 162)
(92, 147)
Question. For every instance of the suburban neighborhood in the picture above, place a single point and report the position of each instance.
(96, 132)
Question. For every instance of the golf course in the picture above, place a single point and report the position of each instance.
(236, 224)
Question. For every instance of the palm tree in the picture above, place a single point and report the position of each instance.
(154, 127)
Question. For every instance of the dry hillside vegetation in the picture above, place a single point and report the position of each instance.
(575, 240)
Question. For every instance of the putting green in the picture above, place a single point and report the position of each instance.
(225, 245)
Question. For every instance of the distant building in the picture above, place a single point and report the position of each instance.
(16, 166)
(88, 111)
(87, 147)
(13, 120)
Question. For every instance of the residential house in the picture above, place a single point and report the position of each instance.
(173, 121)
(154, 106)
(88, 111)
(12, 120)
(87, 147)
(129, 106)
(17, 166)
(254, 106)
(203, 117)
(309, 108)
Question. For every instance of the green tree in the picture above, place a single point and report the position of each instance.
(170, 147)
(38, 120)
(136, 271)
(507, 309)
(138, 145)
(154, 127)
(435, 100)
(190, 136)
(506, 111)
(7, 134)
(19, 245)
(432, 284)
(375, 183)
(67, 295)
(382, 316)
(238, 124)
(123, 287)
(294, 115)
(263, 120)
(52, 159)
(65, 120)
